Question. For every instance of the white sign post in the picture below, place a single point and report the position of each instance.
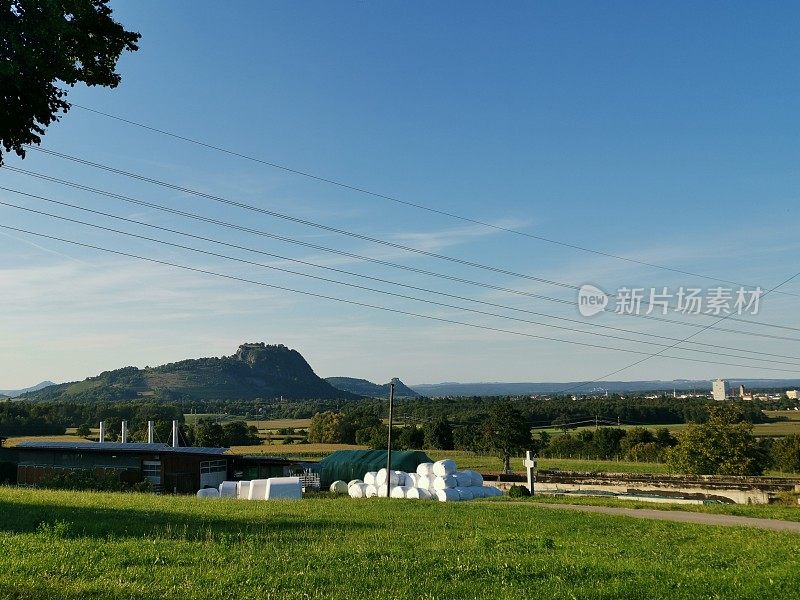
(530, 466)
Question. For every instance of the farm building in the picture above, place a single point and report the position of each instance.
(180, 470)
(353, 464)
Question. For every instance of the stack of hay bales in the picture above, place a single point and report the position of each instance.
(440, 481)
(228, 489)
(260, 489)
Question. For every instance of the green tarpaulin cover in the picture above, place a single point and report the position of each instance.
(353, 464)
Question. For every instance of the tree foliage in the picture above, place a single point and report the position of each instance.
(329, 428)
(210, 433)
(47, 42)
(723, 445)
(507, 432)
(786, 453)
(439, 434)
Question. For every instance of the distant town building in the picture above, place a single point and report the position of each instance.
(744, 394)
(791, 394)
(719, 389)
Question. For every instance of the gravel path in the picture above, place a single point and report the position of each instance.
(682, 516)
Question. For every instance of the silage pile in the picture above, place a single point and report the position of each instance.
(433, 481)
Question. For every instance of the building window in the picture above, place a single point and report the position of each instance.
(151, 471)
(213, 466)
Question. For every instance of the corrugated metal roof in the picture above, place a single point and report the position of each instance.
(118, 447)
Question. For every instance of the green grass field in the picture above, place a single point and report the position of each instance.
(88, 545)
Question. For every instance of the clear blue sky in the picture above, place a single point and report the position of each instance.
(664, 132)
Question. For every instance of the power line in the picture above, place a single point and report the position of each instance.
(655, 354)
(381, 280)
(282, 238)
(360, 236)
(306, 222)
(364, 304)
(325, 279)
(408, 203)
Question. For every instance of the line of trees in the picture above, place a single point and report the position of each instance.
(211, 433)
(459, 411)
(723, 444)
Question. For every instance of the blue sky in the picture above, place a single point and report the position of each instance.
(662, 132)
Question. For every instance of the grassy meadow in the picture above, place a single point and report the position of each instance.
(90, 545)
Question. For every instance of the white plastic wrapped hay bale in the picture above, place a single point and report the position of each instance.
(492, 491)
(463, 478)
(396, 477)
(464, 493)
(227, 489)
(477, 478)
(242, 490)
(448, 495)
(358, 490)
(401, 491)
(371, 491)
(369, 478)
(208, 493)
(416, 493)
(412, 479)
(477, 492)
(353, 482)
(283, 488)
(339, 487)
(424, 469)
(382, 491)
(425, 482)
(445, 483)
(444, 467)
(257, 490)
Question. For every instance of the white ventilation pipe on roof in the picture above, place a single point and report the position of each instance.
(151, 432)
(102, 431)
(175, 443)
(124, 432)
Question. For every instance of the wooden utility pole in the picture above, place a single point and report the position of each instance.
(389, 442)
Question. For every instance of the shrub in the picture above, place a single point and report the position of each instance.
(786, 453)
(518, 491)
(84, 479)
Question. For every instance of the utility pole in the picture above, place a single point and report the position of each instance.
(595, 422)
(389, 443)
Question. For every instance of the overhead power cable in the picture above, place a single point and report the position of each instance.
(655, 354)
(378, 279)
(395, 199)
(305, 222)
(372, 306)
(349, 233)
(334, 281)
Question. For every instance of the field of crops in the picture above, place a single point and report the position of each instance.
(88, 545)
(485, 463)
(306, 451)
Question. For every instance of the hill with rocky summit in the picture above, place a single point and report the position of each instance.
(362, 387)
(33, 388)
(256, 370)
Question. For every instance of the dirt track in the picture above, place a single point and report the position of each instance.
(682, 516)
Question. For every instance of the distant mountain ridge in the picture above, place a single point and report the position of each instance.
(363, 387)
(256, 370)
(33, 388)
(576, 387)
